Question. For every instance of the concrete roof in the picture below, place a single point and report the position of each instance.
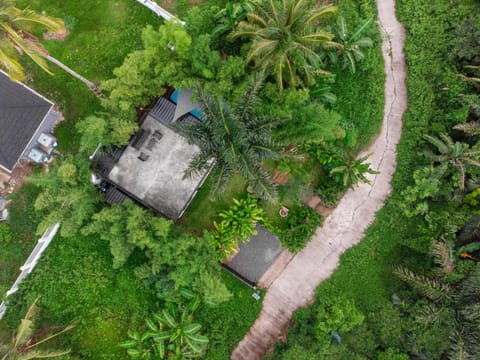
(22, 111)
(158, 181)
(255, 257)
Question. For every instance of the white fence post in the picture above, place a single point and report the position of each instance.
(32, 260)
(157, 9)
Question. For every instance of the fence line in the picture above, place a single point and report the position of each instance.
(157, 9)
(31, 262)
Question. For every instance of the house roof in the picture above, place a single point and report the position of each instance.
(22, 111)
(152, 166)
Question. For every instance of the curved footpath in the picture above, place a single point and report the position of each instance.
(295, 286)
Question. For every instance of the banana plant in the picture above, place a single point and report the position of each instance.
(351, 46)
(229, 17)
(353, 171)
(171, 334)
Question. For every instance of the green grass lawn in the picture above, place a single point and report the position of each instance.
(102, 33)
(204, 209)
(77, 284)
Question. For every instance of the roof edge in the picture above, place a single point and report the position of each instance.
(28, 88)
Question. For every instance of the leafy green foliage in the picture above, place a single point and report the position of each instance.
(144, 72)
(353, 170)
(338, 316)
(228, 17)
(237, 224)
(16, 38)
(456, 155)
(284, 40)
(171, 334)
(66, 196)
(427, 186)
(237, 140)
(466, 43)
(127, 227)
(352, 45)
(226, 324)
(173, 260)
(297, 228)
(311, 122)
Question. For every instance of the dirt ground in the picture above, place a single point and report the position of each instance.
(11, 183)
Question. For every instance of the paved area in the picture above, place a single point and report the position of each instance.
(256, 256)
(296, 285)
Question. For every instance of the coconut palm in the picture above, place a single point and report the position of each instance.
(237, 139)
(453, 154)
(285, 36)
(24, 343)
(16, 39)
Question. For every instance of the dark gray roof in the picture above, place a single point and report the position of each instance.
(163, 111)
(21, 113)
(256, 256)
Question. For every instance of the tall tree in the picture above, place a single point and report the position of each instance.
(285, 39)
(237, 139)
(67, 196)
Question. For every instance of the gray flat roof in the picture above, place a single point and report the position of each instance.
(157, 180)
(22, 111)
(255, 257)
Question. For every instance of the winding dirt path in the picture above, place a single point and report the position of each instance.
(296, 285)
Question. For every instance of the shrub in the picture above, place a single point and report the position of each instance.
(237, 224)
(298, 227)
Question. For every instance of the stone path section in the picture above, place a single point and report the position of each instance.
(295, 286)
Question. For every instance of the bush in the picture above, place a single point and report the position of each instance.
(298, 227)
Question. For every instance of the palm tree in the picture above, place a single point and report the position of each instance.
(237, 139)
(351, 50)
(353, 170)
(16, 39)
(457, 304)
(24, 344)
(285, 38)
(453, 154)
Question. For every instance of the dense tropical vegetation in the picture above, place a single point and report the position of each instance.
(112, 267)
(414, 278)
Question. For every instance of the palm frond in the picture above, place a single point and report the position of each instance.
(471, 128)
(431, 288)
(471, 231)
(441, 146)
(442, 256)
